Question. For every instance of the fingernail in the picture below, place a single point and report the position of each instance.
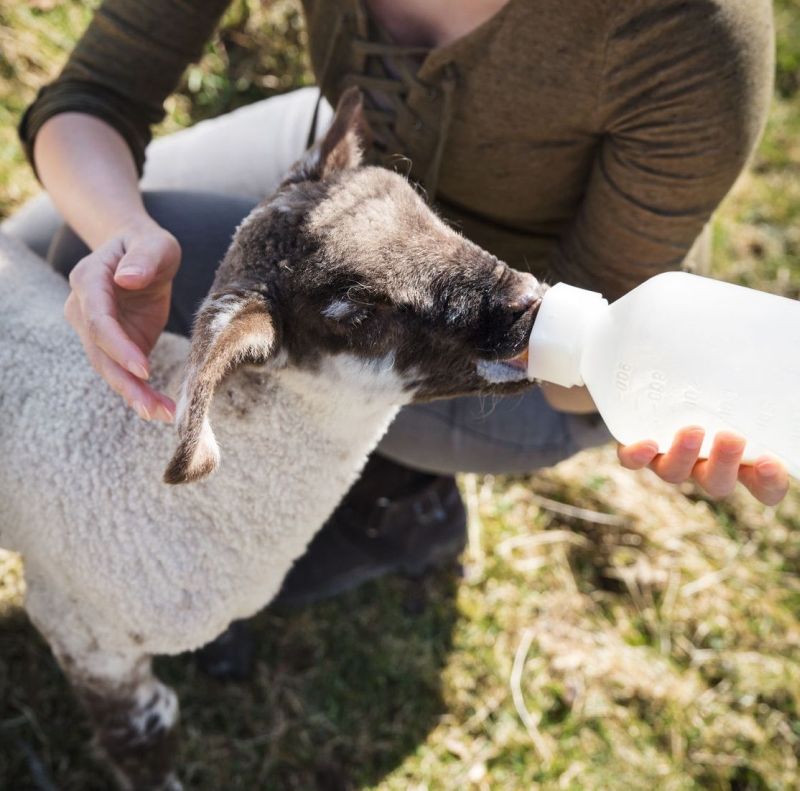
(130, 272)
(693, 441)
(138, 370)
(768, 469)
(164, 414)
(646, 452)
(141, 410)
(734, 452)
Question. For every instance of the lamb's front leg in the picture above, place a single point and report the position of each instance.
(134, 716)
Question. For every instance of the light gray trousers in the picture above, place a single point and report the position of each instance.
(200, 182)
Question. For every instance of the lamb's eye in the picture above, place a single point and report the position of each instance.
(346, 312)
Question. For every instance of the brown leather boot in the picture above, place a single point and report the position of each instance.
(393, 519)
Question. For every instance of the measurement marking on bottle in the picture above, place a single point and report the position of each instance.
(622, 378)
(657, 386)
(691, 396)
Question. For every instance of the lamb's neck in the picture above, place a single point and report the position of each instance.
(303, 437)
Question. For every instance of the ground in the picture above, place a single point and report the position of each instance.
(607, 631)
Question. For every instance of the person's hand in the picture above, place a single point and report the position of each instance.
(766, 478)
(119, 305)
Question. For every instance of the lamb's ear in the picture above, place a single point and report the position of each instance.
(230, 329)
(342, 146)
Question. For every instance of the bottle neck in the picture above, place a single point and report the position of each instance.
(559, 333)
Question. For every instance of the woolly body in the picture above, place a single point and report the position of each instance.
(147, 567)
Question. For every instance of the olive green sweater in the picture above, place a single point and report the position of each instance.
(584, 140)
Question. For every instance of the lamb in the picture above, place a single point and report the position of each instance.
(342, 298)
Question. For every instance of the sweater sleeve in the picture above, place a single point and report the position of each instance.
(128, 61)
(685, 96)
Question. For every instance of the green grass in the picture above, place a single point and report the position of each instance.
(757, 232)
(649, 641)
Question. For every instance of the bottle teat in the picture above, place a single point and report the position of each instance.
(556, 343)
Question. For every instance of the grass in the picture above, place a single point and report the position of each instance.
(607, 631)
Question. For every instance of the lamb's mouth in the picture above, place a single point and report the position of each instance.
(519, 361)
(514, 369)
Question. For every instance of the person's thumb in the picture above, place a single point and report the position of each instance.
(145, 261)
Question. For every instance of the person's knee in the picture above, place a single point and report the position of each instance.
(244, 152)
(34, 224)
(515, 436)
(65, 250)
(203, 223)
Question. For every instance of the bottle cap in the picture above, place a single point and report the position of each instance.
(556, 343)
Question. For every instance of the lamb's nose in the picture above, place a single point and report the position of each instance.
(524, 301)
(529, 293)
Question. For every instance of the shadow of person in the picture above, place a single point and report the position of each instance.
(342, 693)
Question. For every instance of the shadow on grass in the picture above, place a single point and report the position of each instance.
(342, 693)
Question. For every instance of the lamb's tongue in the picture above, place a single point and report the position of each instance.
(520, 361)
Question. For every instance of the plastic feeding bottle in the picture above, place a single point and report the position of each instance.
(680, 350)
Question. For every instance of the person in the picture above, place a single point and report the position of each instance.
(588, 142)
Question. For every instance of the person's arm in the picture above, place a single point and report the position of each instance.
(85, 135)
(80, 158)
(127, 62)
(120, 294)
(683, 100)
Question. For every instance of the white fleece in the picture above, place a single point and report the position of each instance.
(118, 562)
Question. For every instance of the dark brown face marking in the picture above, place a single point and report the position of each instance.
(348, 259)
(353, 260)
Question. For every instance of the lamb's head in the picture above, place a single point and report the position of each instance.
(345, 271)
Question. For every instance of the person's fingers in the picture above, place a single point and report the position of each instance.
(92, 282)
(135, 270)
(147, 402)
(147, 260)
(168, 407)
(638, 455)
(766, 479)
(93, 306)
(718, 475)
(101, 328)
(121, 382)
(676, 465)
